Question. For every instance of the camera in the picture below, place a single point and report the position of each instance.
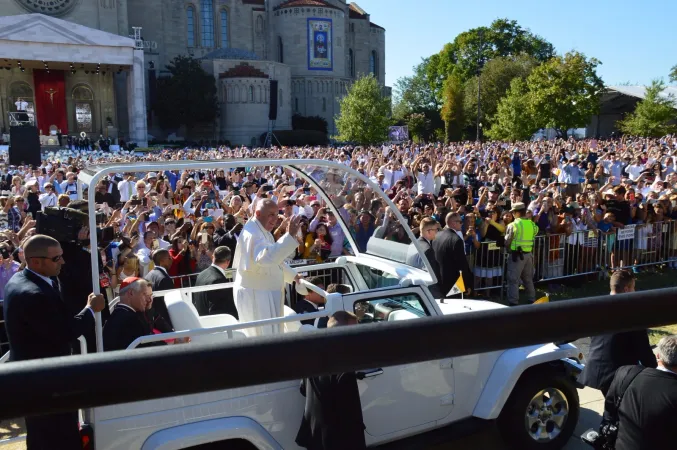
(64, 224)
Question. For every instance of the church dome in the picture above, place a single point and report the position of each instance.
(232, 53)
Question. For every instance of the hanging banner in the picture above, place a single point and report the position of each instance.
(50, 100)
(320, 54)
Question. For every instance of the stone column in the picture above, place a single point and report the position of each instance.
(136, 102)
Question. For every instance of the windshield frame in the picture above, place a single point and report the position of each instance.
(91, 175)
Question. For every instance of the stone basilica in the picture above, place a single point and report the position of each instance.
(91, 66)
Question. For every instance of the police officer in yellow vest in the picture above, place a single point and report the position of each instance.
(519, 241)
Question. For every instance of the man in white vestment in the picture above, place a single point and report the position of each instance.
(261, 270)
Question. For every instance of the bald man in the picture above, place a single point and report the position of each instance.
(261, 270)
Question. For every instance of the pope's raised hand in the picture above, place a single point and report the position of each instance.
(293, 225)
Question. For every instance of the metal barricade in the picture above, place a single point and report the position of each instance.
(487, 267)
(643, 245)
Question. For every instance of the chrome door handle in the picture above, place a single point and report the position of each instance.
(369, 374)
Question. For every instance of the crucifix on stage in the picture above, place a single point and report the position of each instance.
(51, 93)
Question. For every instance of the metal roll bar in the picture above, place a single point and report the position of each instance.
(68, 383)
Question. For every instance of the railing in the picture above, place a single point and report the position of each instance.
(585, 253)
(25, 385)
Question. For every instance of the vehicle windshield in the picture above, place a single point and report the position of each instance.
(373, 225)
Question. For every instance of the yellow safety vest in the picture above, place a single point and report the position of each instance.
(524, 234)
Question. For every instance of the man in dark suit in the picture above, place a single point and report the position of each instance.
(332, 417)
(215, 302)
(311, 302)
(127, 323)
(40, 325)
(608, 352)
(648, 412)
(160, 281)
(449, 250)
(428, 232)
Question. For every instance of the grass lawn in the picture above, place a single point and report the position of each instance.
(645, 281)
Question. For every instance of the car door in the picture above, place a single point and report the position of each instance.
(405, 396)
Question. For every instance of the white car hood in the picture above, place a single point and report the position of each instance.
(455, 306)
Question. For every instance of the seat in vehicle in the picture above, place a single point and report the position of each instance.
(184, 316)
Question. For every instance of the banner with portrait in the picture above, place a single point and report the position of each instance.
(320, 54)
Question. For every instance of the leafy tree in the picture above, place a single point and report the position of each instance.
(418, 125)
(495, 80)
(187, 97)
(364, 114)
(513, 121)
(415, 92)
(452, 111)
(673, 74)
(471, 49)
(564, 92)
(653, 115)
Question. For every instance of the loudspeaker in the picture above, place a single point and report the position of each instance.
(24, 146)
(272, 112)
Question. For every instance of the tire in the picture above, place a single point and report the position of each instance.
(525, 426)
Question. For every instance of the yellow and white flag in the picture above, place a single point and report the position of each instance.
(459, 286)
(545, 299)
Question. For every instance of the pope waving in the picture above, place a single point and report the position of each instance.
(261, 270)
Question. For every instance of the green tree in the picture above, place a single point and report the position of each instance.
(472, 49)
(364, 116)
(673, 74)
(653, 115)
(419, 126)
(564, 92)
(452, 110)
(495, 80)
(187, 97)
(513, 121)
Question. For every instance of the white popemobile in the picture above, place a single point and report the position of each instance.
(530, 391)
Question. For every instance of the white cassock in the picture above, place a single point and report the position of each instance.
(261, 275)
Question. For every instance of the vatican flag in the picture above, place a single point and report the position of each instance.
(545, 299)
(459, 286)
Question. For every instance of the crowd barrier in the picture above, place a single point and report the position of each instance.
(589, 254)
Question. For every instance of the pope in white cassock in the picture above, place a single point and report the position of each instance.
(261, 270)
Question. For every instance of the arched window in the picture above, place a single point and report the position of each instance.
(280, 50)
(351, 63)
(83, 98)
(373, 64)
(224, 28)
(190, 26)
(207, 23)
(251, 94)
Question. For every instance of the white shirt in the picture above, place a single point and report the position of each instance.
(48, 200)
(665, 369)
(425, 183)
(126, 189)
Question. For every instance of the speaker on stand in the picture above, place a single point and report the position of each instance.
(24, 146)
(272, 115)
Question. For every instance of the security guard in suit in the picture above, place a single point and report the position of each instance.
(519, 241)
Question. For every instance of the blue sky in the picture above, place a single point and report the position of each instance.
(636, 41)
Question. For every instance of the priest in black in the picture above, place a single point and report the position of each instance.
(128, 321)
(332, 418)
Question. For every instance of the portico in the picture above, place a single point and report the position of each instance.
(72, 78)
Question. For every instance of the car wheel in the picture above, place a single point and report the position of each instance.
(541, 412)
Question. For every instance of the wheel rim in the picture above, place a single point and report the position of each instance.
(546, 415)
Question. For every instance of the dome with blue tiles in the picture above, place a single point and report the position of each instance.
(232, 53)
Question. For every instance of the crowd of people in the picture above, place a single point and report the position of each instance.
(579, 193)
(466, 204)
